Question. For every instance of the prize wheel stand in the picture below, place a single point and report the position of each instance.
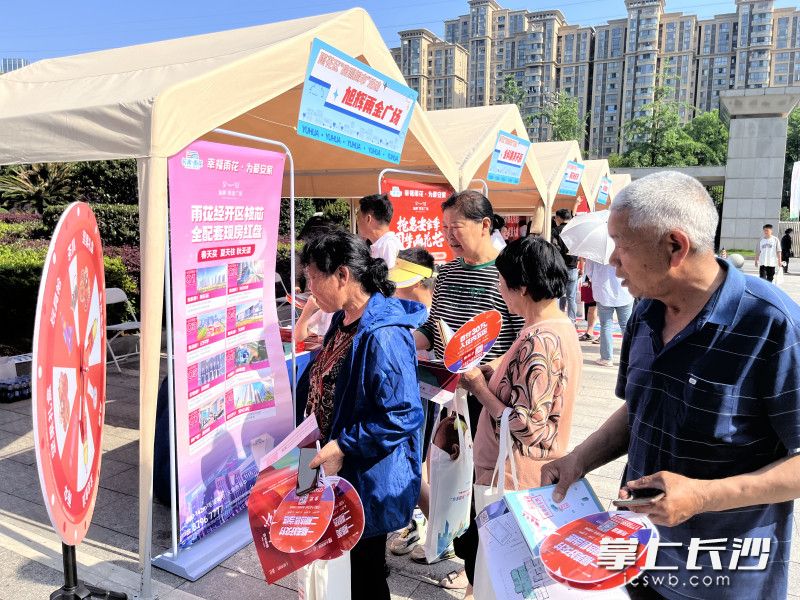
(69, 386)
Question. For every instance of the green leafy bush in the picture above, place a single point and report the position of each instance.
(16, 231)
(338, 211)
(303, 211)
(21, 271)
(118, 223)
(283, 263)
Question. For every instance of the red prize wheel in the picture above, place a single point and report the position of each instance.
(69, 372)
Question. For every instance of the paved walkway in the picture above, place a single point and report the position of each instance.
(30, 553)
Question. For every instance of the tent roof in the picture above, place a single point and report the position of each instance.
(470, 135)
(618, 181)
(592, 175)
(552, 158)
(155, 99)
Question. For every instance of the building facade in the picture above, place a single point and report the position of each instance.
(9, 64)
(612, 69)
(437, 70)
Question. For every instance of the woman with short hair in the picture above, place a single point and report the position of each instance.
(363, 389)
(538, 376)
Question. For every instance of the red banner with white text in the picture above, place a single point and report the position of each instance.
(417, 218)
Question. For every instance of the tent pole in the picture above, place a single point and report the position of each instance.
(152, 175)
(485, 186)
(285, 148)
(383, 173)
(173, 459)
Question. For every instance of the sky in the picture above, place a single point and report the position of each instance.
(44, 29)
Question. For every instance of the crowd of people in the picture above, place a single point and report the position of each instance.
(707, 374)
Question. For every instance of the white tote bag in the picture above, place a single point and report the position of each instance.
(487, 494)
(779, 276)
(451, 483)
(325, 579)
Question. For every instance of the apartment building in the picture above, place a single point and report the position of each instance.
(9, 64)
(434, 68)
(614, 68)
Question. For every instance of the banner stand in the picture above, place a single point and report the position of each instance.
(404, 172)
(202, 556)
(484, 184)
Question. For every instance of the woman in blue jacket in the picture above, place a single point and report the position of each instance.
(364, 392)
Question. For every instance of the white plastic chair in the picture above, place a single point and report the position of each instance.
(117, 296)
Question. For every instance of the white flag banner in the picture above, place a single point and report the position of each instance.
(794, 193)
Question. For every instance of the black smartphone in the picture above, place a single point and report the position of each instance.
(307, 478)
(639, 497)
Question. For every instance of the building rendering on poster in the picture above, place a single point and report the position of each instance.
(417, 218)
(350, 105)
(231, 385)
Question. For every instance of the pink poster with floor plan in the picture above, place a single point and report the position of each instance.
(232, 390)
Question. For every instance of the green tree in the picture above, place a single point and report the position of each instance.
(36, 186)
(711, 136)
(657, 138)
(303, 211)
(107, 181)
(792, 153)
(337, 211)
(512, 93)
(563, 115)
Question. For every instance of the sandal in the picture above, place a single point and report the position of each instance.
(455, 580)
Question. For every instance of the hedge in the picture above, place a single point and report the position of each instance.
(118, 223)
(303, 210)
(21, 271)
(283, 263)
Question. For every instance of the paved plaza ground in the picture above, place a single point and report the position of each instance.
(30, 553)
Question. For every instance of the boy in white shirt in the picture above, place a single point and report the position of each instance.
(373, 218)
(768, 254)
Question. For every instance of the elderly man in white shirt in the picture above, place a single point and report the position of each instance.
(373, 218)
(610, 296)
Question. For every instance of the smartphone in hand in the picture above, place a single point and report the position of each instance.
(639, 497)
(307, 478)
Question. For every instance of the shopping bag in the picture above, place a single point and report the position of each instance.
(450, 479)
(482, 582)
(779, 276)
(486, 494)
(586, 292)
(325, 579)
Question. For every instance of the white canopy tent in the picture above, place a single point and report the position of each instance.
(150, 101)
(592, 178)
(470, 135)
(552, 158)
(618, 182)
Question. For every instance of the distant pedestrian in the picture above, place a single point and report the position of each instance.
(786, 248)
(611, 297)
(568, 301)
(373, 219)
(768, 254)
(497, 237)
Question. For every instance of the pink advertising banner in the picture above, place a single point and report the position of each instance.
(232, 393)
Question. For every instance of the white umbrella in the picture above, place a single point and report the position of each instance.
(586, 235)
